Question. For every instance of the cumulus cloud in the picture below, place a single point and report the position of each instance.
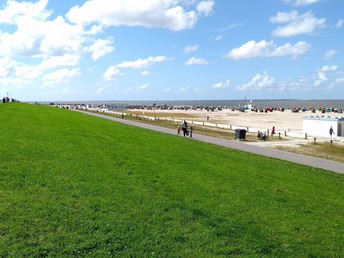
(100, 48)
(196, 61)
(60, 75)
(189, 49)
(111, 73)
(6, 65)
(221, 85)
(142, 63)
(264, 48)
(323, 73)
(150, 13)
(205, 7)
(259, 81)
(65, 60)
(296, 24)
(15, 11)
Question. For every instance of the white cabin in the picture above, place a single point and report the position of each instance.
(320, 126)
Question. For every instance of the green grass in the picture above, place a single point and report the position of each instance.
(74, 185)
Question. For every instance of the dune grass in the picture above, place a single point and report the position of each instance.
(74, 185)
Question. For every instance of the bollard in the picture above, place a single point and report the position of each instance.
(279, 135)
(315, 140)
(331, 142)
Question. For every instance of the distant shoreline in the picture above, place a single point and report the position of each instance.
(274, 103)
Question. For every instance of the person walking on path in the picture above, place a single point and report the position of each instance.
(184, 128)
(190, 131)
(331, 131)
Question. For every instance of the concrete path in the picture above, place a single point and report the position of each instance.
(330, 165)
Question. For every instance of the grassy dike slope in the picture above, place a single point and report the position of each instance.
(71, 184)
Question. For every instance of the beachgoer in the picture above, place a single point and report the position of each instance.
(178, 130)
(331, 131)
(184, 128)
(272, 131)
(190, 131)
(260, 135)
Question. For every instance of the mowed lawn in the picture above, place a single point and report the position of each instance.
(75, 185)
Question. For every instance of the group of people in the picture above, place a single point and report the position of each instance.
(184, 127)
(264, 136)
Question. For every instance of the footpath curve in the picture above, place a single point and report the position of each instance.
(329, 165)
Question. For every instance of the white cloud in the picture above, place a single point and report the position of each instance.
(296, 24)
(329, 68)
(144, 86)
(260, 81)
(205, 7)
(111, 73)
(145, 73)
(6, 65)
(340, 23)
(263, 48)
(221, 85)
(100, 48)
(14, 11)
(196, 61)
(149, 13)
(60, 75)
(323, 73)
(301, 2)
(189, 49)
(65, 60)
(330, 54)
(36, 38)
(29, 72)
(142, 63)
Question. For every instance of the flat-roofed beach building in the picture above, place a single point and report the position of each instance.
(320, 126)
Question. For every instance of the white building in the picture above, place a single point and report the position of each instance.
(320, 126)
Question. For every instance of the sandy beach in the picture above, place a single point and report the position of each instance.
(283, 121)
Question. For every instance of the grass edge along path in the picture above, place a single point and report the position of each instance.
(312, 161)
(73, 185)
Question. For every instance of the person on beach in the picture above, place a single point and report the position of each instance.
(184, 128)
(273, 131)
(178, 130)
(190, 131)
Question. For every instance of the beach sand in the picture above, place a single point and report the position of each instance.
(283, 121)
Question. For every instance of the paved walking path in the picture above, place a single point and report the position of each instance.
(330, 165)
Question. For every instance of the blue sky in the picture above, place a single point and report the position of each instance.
(53, 50)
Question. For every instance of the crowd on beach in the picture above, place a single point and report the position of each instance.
(197, 108)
